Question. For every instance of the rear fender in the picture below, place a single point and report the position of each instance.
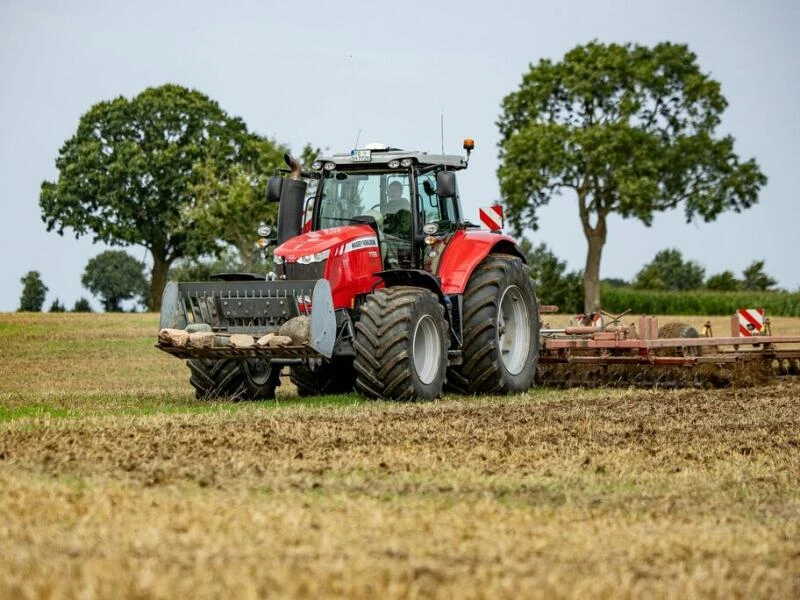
(465, 251)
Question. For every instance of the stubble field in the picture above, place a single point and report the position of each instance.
(115, 482)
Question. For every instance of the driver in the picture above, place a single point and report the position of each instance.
(397, 226)
(396, 202)
(397, 212)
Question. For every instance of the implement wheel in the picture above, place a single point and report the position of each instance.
(401, 345)
(250, 379)
(327, 378)
(501, 329)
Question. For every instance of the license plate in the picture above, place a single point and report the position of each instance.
(361, 156)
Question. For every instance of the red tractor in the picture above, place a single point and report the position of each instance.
(405, 297)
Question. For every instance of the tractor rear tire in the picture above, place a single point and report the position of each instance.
(500, 317)
(401, 345)
(249, 379)
(327, 378)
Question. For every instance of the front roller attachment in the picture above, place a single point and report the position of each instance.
(234, 311)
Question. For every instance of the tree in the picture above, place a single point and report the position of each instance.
(201, 269)
(33, 292)
(115, 276)
(723, 282)
(230, 205)
(56, 306)
(82, 305)
(755, 279)
(668, 271)
(625, 129)
(551, 281)
(127, 174)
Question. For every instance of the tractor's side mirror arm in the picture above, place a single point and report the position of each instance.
(446, 184)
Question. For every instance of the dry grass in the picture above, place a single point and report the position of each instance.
(598, 493)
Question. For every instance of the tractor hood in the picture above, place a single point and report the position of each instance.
(316, 242)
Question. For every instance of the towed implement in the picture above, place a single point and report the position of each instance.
(674, 355)
(380, 285)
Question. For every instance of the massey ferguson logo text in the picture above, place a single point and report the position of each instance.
(357, 244)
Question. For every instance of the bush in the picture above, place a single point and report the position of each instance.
(82, 305)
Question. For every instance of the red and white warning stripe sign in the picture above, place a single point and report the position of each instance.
(751, 321)
(492, 217)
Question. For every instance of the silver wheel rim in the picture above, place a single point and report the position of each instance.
(258, 371)
(513, 330)
(427, 348)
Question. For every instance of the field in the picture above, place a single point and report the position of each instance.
(115, 482)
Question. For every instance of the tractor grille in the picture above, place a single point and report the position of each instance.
(252, 307)
(296, 271)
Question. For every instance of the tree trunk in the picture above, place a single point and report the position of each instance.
(596, 239)
(591, 274)
(158, 280)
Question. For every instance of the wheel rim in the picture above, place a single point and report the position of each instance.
(513, 330)
(427, 348)
(258, 371)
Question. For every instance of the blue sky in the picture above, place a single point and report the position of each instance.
(389, 69)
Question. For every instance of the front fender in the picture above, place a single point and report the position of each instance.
(465, 251)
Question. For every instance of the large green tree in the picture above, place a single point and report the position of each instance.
(623, 129)
(115, 276)
(127, 175)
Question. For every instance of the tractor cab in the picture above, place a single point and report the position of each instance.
(409, 198)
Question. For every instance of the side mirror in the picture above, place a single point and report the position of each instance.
(446, 184)
(274, 186)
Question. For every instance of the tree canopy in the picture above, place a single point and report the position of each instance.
(624, 129)
(130, 173)
(33, 292)
(723, 282)
(669, 271)
(115, 276)
(755, 279)
(230, 205)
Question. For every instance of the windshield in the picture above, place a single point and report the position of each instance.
(346, 196)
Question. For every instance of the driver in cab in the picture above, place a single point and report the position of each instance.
(397, 214)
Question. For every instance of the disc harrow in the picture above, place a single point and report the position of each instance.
(670, 357)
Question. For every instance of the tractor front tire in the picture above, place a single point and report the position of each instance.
(327, 378)
(501, 329)
(401, 345)
(249, 379)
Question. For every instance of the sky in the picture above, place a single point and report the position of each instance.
(329, 73)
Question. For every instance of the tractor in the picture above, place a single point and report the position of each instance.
(402, 296)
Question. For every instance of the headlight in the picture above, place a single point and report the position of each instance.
(277, 259)
(393, 164)
(314, 258)
(406, 162)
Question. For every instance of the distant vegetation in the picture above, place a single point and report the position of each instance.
(698, 302)
(668, 285)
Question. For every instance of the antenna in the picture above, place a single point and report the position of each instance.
(358, 137)
(441, 126)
